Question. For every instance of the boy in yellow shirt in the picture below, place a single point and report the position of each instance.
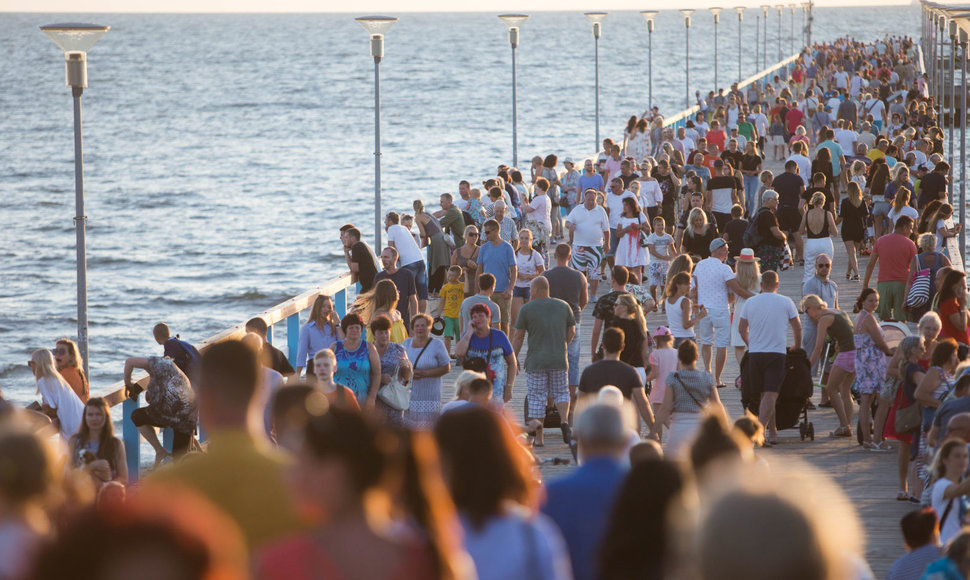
(449, 306)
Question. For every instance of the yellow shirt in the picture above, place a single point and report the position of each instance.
(453, 294)
(243, 478)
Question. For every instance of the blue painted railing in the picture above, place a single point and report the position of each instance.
(289, 311)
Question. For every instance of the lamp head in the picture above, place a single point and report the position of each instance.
(376, 27)
(75, 39)
(597, 19)
(648, 17)
(513, 21)
(740, 11)
(779, 7)
(765, 8)
(687, 12)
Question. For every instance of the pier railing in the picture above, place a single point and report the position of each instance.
(784, 67)
(288, 311)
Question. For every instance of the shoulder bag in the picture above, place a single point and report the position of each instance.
(643, 239)
(919, 290)
(686, 390)
(396, 394)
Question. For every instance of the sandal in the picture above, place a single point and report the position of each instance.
(842, 432)
(902, 496)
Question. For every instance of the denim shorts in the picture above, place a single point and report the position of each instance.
(420, 271)
(715, 328)
(522, 292)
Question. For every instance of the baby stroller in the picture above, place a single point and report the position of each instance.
(796, 390)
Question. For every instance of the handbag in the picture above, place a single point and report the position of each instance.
(909, 419)
(786, 258)
(919, 290)
(643, 239)
(396, 394)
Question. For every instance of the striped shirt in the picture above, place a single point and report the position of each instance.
(912, 565)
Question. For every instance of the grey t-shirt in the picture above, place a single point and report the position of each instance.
(465, 312)
(567, 285)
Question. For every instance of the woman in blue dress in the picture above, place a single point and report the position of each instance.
(430, 361)
(358, 365)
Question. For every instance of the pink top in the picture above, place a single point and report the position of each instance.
(665, 361)
(896, 251)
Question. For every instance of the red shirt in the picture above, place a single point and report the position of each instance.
(947, 308)
(794, 119)
(895, 251)
(716, 138)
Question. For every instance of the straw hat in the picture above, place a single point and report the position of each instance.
(747, 255)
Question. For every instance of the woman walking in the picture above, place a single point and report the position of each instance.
(909, 373)
(680, 310)
(748, 274)
(529, 265)
(629, 252)
(835, 324)
(853, 215)
(394, 365)
(628, 317)
(358, 366)
(818, 225)
(466, 258)
(430, 362)
(871, 351)
(439, 251)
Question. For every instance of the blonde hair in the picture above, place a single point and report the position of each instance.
(818, 199)
(813, 301)
(902, 199)
(75, 352)
(693, 215)
(926, 242)
(858, 167)
(630, 303)
(682, 263)
(748, 274)
(43, 360)
(854, 192)
(326, 353)
(464, 379)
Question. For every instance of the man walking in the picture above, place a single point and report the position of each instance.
(589, 233)
(767, 342)
(894, 253)
(496, 257)
(569, 286)
(713, 279)
(603, 310)
(550, 325)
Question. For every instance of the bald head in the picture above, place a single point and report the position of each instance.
(959, 426)
(540, 287)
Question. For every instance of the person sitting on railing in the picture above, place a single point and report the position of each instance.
(171, 403)
(95, 449)
(277, 360)
(67, 359)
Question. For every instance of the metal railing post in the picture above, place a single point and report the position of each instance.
(132, 439)
(293, 338)
(340, 303)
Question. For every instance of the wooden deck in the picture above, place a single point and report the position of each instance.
(868, 478)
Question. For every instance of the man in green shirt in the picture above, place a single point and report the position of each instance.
(550, 324)
(451, 219)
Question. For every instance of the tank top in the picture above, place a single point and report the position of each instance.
(431, 227)
(841, 330)
(353, 368)
(822, 234)
(675, 319)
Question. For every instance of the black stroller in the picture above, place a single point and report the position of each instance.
(796, 390)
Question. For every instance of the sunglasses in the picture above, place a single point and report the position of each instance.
(823, 265)
(472, 235)
(59, 351)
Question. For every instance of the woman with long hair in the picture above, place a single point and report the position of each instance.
(319, 333)
(95, 449)
(67, 359)
(750, 170)
(901, 207)
(871, 351)
(59, 401)
(953, 307)
(835, 324)
(934, 387)
(949, 488)
(681, 263)
(382, 299)
(906, 369)
(466, 258)
(818, 225)
(926, 225)
(628, 317)
(699, 234)
(529, 265)
(853, 214)
(679, 308)
(629, 252)
(552, 176)
(878, 180)
(343, 463)
(823, 164)
(490, 478)
(942, 231)
(748, 274)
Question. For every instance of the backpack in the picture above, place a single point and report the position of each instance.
(752, 239)
(185, 356)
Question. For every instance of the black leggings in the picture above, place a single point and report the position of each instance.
(180, 441)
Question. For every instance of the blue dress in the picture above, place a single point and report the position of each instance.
(353, 369)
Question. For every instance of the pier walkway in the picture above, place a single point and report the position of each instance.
(868, 478)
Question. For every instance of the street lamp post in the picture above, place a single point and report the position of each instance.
(648, 17)
(596, 18)
(764, 41)
(687, 13)
(376, 27)
(76, 40)
(963, 145)
(514, 21)
(953, 90)
(779, 7)
(740, 11)
(757, 42)
(791, 9)
(717, 19)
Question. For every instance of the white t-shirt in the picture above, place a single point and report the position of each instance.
(60, 396)
(841, 79)
(764, 313)
(760, 123)
(907, 210)
(590, 225)
(687, 143)
(876, 108)
(722, 200)
(710, 277)
(951, 526)
(846, 140)
(407, 249)
(540, 211)
(527, 264)
(650, 194)
(614, 203)
(661, 244)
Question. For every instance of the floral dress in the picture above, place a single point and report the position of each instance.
(353, 369)
(870, 365)
(390, 365)
(425, 392)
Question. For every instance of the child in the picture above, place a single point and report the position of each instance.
(660, 244)
(452, 293)
(766, 179)
(663, 361)
(734, 230)
(475, 207)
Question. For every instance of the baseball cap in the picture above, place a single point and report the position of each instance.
(661, 331)
(717, 243)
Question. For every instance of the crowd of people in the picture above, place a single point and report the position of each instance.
(347, 463)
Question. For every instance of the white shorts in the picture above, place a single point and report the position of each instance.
(778, 140)
(715, 328)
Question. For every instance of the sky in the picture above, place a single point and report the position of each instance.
(373, 6)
